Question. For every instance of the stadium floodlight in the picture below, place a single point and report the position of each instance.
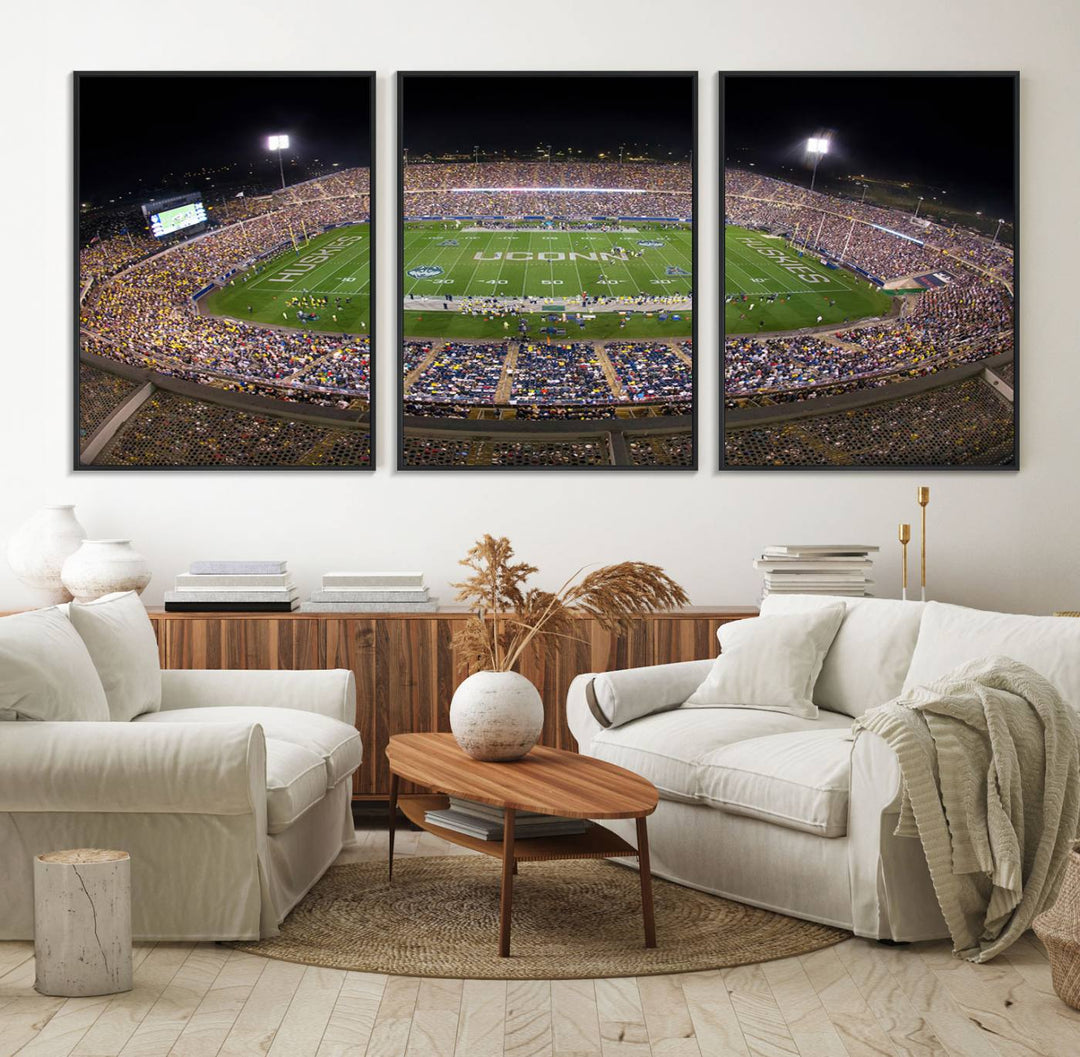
(917, 205)
(279, 143)
(817, 146)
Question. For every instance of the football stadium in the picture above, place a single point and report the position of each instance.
(547, 306)
(229, 330)
(859, 333)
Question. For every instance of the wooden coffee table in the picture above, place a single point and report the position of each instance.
(550, 781)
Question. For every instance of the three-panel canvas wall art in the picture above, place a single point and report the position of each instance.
(546, 272)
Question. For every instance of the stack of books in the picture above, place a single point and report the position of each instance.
(371, 593)
(486, 822)
(817, 569)
(234, 587)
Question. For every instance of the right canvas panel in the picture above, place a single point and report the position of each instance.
(869, 270)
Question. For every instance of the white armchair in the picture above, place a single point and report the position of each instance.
(232, 799)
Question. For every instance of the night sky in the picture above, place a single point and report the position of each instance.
(157, 128)
(452, 114)
(951, 133)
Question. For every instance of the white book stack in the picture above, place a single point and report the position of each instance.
(373, 592)
(817, 569)
(234, 587)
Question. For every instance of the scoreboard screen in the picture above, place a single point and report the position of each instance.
(169, 221)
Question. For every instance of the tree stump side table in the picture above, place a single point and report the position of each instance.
(82, 922)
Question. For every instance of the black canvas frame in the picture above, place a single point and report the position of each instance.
(80, 76)
(402, 77)
(1011, 75)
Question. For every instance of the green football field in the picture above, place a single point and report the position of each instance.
(800, 287)
(334, 265)
(442, 258)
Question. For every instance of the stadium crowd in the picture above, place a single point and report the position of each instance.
(460, 373)
(572, 190)
(949, 325)
(330, 199)
(173, 430)
(144, 316)
(540, 380)
(965, 424)
(825, 223)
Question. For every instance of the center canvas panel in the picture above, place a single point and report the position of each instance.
(547, 270)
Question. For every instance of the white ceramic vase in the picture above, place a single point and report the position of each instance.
(496, 715)
(100, 567)
(37, 551)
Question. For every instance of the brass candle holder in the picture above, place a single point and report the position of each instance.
(904, 535)
(923, 497)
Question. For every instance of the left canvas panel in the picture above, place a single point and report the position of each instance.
(224, 285)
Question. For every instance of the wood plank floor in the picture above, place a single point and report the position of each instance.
(857, 999)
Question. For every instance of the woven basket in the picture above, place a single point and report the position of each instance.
(1059, 929)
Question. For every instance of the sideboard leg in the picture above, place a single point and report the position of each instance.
(506, 896)
(644, 871)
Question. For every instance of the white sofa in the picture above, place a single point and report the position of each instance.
(792, 814)
(232, 794)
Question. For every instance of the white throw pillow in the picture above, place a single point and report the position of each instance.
(869, 657)
(120, 638)
(770, 662)
(45, 670)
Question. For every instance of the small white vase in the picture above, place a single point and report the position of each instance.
(100, 567)
(37, 551)
(496, 715)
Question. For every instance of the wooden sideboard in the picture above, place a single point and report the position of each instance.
(406, 667)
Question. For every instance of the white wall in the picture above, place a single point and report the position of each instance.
(1001, 540)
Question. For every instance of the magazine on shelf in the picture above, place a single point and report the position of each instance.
(488, 829)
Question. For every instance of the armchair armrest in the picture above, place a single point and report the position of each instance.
(609, 699)
(330, 692)
(133, 767)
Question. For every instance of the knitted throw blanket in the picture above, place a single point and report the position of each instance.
(990, 761)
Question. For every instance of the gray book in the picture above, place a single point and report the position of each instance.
(227, 595)
(243, 581)
(363, 594)
(227, 567)
(370, 607)
(347, 579)
(483, 829)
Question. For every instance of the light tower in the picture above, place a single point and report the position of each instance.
(997, 232)
(279, 143)
(918, 205)
(818, 146)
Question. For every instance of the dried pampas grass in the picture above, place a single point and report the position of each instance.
(507, 615)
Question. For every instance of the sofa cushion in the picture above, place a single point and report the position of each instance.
(799, 780)
(295, 780)
(770, 662)
(45, 670)
(668, 748)
(953, 635)
(336, 743)
(121, 642)
(869, 658)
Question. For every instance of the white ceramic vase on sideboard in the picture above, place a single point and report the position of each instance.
(100, 567)
(37, 551)
(496, 715)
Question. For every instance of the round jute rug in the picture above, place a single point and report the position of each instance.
(576, 918)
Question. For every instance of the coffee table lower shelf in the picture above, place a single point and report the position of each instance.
(596, 842)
